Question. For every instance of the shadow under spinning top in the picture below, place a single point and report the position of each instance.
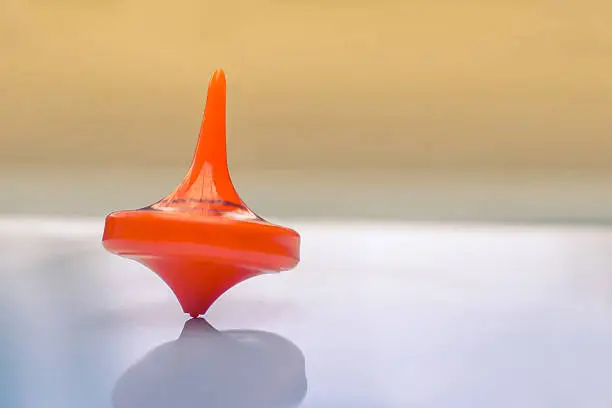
(202, 239)
(208, 368)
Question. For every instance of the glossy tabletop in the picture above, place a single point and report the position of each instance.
(376, 315)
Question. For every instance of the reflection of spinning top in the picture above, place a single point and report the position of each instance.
(207, 368)
(202, 239)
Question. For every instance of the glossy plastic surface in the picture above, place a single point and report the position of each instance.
(378, 315)
(202, 239)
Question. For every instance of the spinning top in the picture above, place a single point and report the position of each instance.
(202, 239)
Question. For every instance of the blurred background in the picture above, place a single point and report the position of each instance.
(420, 110)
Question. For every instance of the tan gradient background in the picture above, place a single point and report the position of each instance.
(315, 88)
(354, 84)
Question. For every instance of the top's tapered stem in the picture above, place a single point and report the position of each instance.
(208, 177)
(212, 145)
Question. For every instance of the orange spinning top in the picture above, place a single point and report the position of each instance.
(202, 239)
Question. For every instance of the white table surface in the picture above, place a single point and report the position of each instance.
(376, 315)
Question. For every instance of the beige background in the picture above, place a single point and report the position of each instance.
(365, 83)
(517, 88)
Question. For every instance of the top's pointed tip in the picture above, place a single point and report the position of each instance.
(217, 77)
(216, 87)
